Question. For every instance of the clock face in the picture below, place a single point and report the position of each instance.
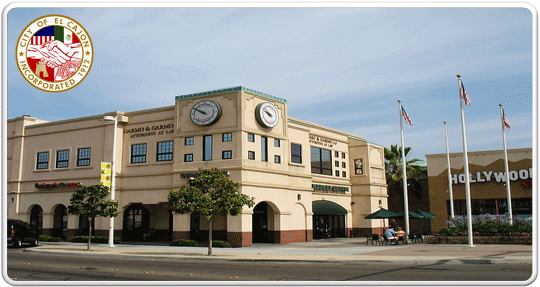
(205, 113)
(267, 115)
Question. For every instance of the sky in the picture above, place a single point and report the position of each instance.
(344, 68)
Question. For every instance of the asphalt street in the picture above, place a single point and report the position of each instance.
(33, 266)
(330, 260)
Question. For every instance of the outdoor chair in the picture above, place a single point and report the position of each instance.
(374, 239)
(385, 240)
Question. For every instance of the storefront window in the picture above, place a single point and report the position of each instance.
(207, 148)
(296, 153)
(62, 158)
(83, 156)
(138, 153)
(42, 160)
(264, 148)
(164, 151)
(321, 161)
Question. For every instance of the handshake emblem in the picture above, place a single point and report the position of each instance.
(64, 58)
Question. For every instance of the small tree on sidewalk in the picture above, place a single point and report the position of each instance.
(88, 201)
(209, 194)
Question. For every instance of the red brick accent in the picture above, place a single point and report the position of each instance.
(239, 239)
(309, 234)
(289, 236)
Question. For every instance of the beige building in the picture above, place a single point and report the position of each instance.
(487, 184)
(308, 181)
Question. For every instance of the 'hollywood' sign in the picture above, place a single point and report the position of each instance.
(486, 176)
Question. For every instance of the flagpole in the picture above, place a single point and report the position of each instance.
(466, 168)
(405, 197)
(506, 166)
(449, 173)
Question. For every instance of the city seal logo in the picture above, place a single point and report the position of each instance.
(54, 53)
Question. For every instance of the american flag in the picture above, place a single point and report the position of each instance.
(464, 94)
(406, 117)
(506, 122)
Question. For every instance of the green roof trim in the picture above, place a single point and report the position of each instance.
(231, 89)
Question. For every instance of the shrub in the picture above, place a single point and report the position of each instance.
(219, 243)
(47, 238)
(487, 224)
(95, 239)
(184, 242)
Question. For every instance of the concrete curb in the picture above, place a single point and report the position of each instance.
(249, 257)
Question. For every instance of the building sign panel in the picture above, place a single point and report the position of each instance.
(313, 139)
(486, 176)
(329, 188)
(56, 185)
(154, 130)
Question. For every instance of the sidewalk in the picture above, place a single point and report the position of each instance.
(344, 250)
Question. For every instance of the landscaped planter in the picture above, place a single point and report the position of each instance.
(438, 239)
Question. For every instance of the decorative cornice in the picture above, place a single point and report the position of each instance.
(231, 89)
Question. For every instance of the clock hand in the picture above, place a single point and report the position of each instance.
(202, 112)
(268, 113)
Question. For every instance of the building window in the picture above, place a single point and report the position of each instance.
(337, 154)
(138, 153)
(251, 138)
(227, 137)
(83, 156)
(337, 163)
(358, 166)
(251, 155)
(164, 151)
(188, 157)
(62, 158)
(337, 172)
(227, 154)
(264, 148)
(42, 160)
(277, 159)
(343, 155)
(188, 141)
(296, 153)
(207, 148)
(344, 173)
(321, 161)
(277, 142)
(343, 165)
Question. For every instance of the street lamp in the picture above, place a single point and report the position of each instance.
(113, 179)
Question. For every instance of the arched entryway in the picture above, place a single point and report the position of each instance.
(260, 223)
(60, 224)
(136, 223)
(36, 218)
(328, 220)
(263, 223)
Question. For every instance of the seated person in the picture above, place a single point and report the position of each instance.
(400, 234)
(391, 235)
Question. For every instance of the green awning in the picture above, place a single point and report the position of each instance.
(328, 207)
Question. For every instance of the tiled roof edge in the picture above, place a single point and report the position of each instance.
(231, 89)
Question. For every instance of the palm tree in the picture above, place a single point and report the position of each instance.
(394, 171)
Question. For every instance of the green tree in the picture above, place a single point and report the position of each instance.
(88, 201)
(394, 170)
(209, 194)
